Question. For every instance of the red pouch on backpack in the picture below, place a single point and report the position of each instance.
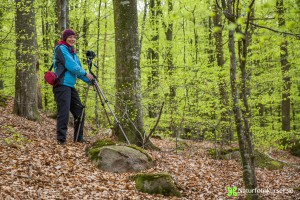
(51, 78)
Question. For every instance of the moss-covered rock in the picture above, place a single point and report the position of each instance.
(261, 160)
(295, 149)
(221, 153)
(236, 155)
(142, 151)
(297, 189)
(108, 156)
(161, 183)
(93, 150)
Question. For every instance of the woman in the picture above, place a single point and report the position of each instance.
(68, 68)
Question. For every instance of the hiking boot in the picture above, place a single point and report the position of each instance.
(83, 141)
(59, 142)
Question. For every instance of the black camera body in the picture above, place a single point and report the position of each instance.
(90, 55)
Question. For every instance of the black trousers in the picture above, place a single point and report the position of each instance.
(67, 100)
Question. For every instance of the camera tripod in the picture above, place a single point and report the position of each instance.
(90, 56)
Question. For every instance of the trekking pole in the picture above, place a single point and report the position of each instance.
(82, 112)
(90, 55)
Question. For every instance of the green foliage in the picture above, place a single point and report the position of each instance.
(196, 76)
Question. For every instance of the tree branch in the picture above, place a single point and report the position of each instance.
(276, 31)
(153, 129)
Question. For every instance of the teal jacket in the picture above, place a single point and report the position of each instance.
(66, 61)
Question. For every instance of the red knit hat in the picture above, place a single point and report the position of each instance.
(67, 33)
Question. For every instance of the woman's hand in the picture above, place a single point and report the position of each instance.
(90, 76)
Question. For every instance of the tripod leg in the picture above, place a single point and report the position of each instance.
(103, 105)
(100, 93)
(82, 113)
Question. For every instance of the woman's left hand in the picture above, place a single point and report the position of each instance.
(90, 76)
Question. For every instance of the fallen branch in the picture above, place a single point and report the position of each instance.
(282, 161)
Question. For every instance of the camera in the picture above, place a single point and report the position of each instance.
(90, 55)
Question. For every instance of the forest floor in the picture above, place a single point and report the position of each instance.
(33, 166)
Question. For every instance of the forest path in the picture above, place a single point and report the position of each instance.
(33, 166)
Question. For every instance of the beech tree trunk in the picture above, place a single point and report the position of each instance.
(226, 113)
(171, 68)
(242, 120)
(153, 56)
(285, 68)
(26, 90)
(62, 14)
(128, 78)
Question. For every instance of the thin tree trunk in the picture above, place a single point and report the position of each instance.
(26, 98)
(97, 120)
(171, 68)
(105, 40)
(231, 11)
(226, 113)
(45, 32)
(195, 36)
(143, 24)
(210, 51)
(247, 168)
(85, 27)
(285, 68)
(153, 56)
(261, 111)
(245, 93)
(62, 14)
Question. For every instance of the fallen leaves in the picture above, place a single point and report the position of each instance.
(41, 169)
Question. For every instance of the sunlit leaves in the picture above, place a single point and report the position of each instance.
(239, 36)
(217, 29)
(240, 21)
(231, 26)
